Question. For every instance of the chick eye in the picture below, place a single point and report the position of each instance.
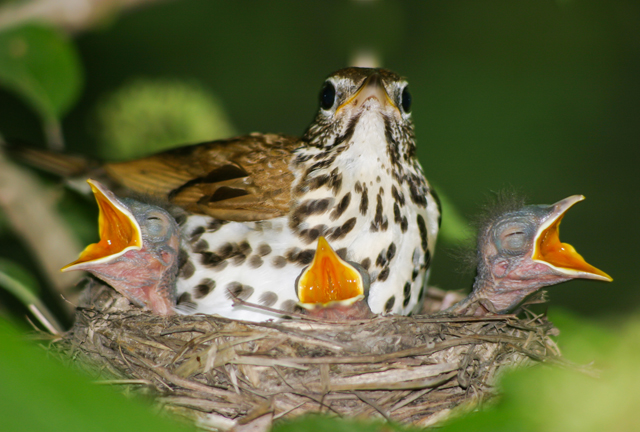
(406, 100)
(156, 225)
(515, 241)
(327, 95)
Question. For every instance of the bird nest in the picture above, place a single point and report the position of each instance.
(223, 373)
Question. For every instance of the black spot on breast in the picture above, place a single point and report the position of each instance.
(306, 256)
(200, 246)
(427, 259)
(423, 233)
(414, 274)
(384, 274)
(391, 251)
(341, 231)
(238, 259)
(341, 207)
(292, 254)
(417, 190)
(268, 298)
(318, 181)
(244, 247)
(378, 179)
(404, 225)
(308, 208)
(358, 187)
(377, 222)
(312, 234)
(381, 261)
(264, 249)
(215, 225)
(227, 250)
(185, 301)
(336, 181)
(203, 288)
(278, 262)
(388, 306)
(187, 270)
(397, 217)
(397, 196)
(195, 234)
(364, 201)
(366, 263)
(406, 301)
(407, 294)
(212, 260)
(288, 306)
(236, 289)
(255, 261)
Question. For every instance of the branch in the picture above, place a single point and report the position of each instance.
(31, 211)
(70, 15)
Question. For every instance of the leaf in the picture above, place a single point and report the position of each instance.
(18, 282)
(42, 66)
(455, 228)
(40, 394)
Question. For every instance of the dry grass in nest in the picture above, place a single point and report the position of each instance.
(223, 373)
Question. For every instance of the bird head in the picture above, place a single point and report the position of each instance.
(364, 99)
(519, 251)
(137, 251)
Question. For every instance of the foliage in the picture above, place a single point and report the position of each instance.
(41, 66)
(553, 399)
(146, 116)
(39, 394)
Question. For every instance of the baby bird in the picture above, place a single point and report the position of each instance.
(137, 253)
(519, 251)
(331, 288)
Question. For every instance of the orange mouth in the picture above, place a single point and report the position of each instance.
(329, 279)
(119, 230)
(562, 256)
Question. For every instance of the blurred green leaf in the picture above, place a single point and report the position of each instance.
(41, 66)
(18, 282)
(146, 116)
(555, 399)
(320, 423)
(455, 227)
(39, 394)
(24, 286)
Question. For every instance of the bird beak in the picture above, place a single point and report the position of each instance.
(329, 279)
(371, 88)
(119, 231)
(562, 256)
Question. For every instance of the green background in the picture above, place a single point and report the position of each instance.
(542, 96)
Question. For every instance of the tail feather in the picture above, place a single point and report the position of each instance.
(63, 165)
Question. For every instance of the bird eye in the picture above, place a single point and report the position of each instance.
(156, 225)
(406, 100)
(514, 241)
(327, 95)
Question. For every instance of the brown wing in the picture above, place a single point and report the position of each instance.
(243, 179)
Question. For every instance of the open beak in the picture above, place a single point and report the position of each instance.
(563, 257)
(329, 279)
(371, 88)
(119, 231)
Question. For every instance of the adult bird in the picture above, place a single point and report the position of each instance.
(518, 252)
(255, 205)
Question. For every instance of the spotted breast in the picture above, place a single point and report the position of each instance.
(353, 178)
